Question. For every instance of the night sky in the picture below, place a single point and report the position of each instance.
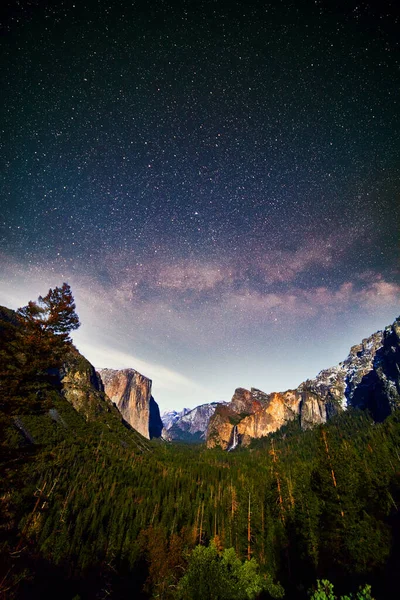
(218, 181)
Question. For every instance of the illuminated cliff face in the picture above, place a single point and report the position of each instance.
(369, 378)
(251, 414)
(131, 392)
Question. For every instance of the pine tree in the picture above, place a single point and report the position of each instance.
(36, 341)
(53, 313)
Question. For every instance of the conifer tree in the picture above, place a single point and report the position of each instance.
(53, 313)
(37, 340)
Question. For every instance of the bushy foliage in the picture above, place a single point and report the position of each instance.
(223, 576)
(325, 591)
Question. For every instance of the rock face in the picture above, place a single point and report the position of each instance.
(131, 393)
(251, 414)
(339, 384)
(82, 386)
(77, 380)
(169, 417)
(369, 379)
(188, 425)
(155, 424)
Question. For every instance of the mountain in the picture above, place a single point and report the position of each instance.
(169, 417)
(369, 378)
(44, 402)
(188, 425)
(82, 386)
(28, 375)
(131, 393)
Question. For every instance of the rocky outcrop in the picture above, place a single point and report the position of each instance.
(378, 389)
(131, 393)
(82, 386)
(188, 425)
(369, 379)
(338, 384)
(254, 414)
(169, 417)
(76, 380)
(155, 423)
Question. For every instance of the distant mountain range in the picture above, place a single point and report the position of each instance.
(169, 417)
(368, 379)
(189, 425)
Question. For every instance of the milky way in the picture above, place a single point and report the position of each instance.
(218, 182)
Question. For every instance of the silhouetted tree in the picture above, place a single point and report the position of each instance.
(36, 341)
(53, 313)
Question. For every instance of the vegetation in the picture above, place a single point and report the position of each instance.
(90, 509)
(325, 591)
(223, 576)
(33, 342)
(53, 313)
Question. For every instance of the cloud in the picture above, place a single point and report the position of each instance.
(109, 357)
(379, 293)
(181, 343)
(193, 298)
(265, 263)
(297, 302)
(192, 275)
(278, 265)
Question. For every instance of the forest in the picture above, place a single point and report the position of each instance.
(91, 509)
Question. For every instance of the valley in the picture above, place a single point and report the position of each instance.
(308, 490)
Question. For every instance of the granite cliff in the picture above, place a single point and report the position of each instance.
(369, 378)
(131, 393)
(82, 386)
(188, 425)
(169, 417)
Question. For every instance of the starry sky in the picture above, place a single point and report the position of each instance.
(218, 182)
